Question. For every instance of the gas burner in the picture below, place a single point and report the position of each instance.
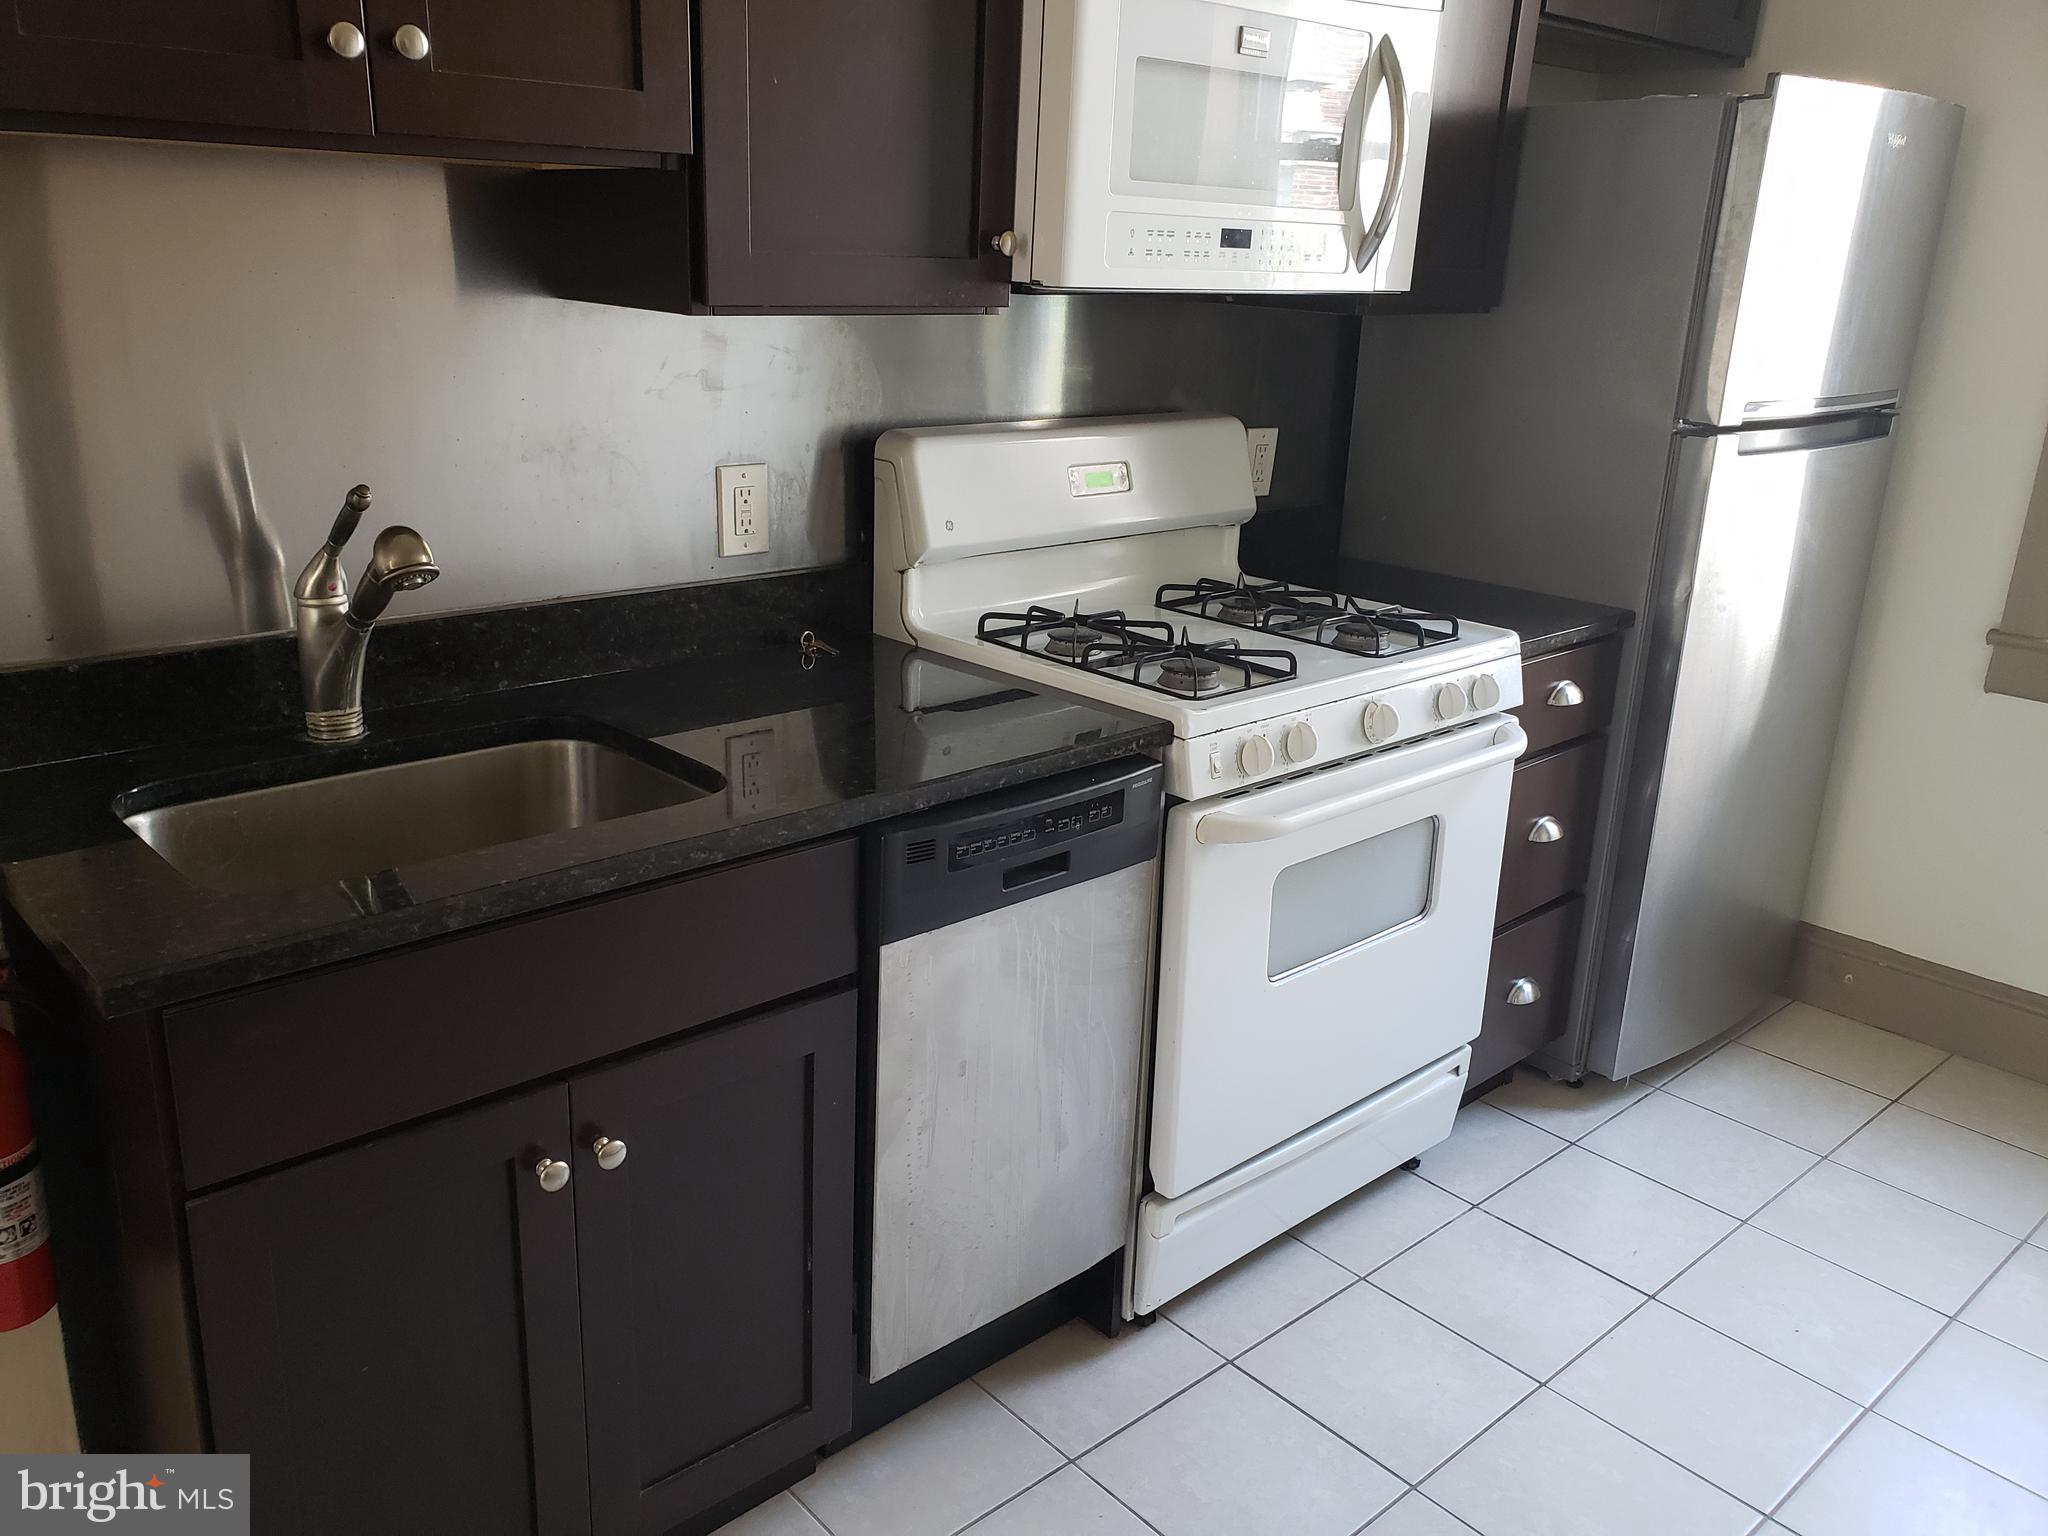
(1190, 675)
(1313, 614)
(1143, 652)
(1073, 640)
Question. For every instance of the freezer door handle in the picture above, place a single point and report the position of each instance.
(1801, 437)
(1502, 743)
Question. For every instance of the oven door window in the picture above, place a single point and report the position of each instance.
(1233, 106)
(1338, 900)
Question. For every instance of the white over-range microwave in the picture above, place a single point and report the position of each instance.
(1176, 145)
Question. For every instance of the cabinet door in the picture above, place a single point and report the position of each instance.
(596, 74)
(393, 1330)
(232, 63)
(1717, 26)
(716, 1261)
(857, 156)
(1637, 16)
(1485, 50)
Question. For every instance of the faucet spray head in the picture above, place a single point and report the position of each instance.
(400, 561)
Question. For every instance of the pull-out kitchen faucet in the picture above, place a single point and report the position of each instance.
(334, 630)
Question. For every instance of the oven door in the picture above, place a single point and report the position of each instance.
(1321, 939)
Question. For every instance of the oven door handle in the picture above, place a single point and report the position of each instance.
(1503, 744)
(1362, 240)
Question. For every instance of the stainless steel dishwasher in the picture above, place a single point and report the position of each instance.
(1012, 1001)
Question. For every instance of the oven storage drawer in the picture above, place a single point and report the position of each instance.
(1550, 828)
(1528, 987)
(1570, 694)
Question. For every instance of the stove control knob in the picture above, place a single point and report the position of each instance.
(1382, 722)
(1255, 756)
(1299, 742)
(1450, 702)
(1485, 692)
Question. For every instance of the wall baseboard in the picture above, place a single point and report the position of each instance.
(2000, 1025)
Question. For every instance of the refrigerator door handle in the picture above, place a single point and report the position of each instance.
(1833, 432)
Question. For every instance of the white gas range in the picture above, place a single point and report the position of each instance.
(1343, 769)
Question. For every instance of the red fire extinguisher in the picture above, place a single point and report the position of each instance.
(28, 1279)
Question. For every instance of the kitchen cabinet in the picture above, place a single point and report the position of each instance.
(716, 1261)
(606, 80)
(654, 1259)
(1540, 930)
(603, 74)
(1724, 28)
(858, 157)
(257, 64)
(1485, 51)
(376, 1319)
(546, 1226)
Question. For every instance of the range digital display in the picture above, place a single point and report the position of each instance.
(1235, 239)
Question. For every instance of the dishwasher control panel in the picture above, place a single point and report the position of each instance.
(1043, 830)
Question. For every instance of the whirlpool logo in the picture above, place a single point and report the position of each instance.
(198, 1494)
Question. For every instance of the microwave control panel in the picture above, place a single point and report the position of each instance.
(1187, 244)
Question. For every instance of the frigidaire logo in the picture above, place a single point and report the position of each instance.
(59, 1493)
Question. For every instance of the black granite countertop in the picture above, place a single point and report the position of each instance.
(875, 731)
(1545, 623)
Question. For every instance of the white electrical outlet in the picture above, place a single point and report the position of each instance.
(753, 773)
(742, 509)
(1263, 442)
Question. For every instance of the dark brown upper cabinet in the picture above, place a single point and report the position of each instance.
(1622, 31)
(253, 64)
(604, 81)
(856, 156)
(598, 74)
(1480, 94)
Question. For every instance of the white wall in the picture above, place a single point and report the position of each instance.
(1935, 837)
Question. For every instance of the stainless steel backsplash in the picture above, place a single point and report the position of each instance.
(202, 348)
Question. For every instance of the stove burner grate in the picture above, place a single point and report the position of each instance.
(1143, 652)
(1312, 614)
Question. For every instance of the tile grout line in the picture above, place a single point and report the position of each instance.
(1870, 1410)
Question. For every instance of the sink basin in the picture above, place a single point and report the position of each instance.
(350, 826)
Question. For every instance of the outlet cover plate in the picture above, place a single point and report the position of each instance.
(1263, 443)
(742, 509)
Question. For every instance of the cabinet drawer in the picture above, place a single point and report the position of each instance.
(1528, 987)
(1586, 674)
(1551, 812)
(273, 1073)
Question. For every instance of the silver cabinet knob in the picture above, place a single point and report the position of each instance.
(553, 1174)
(411, 41)
(609, 1153)
(1004, 244)
(1567, 693)
(1546, 829)
(346, 39)
(1523, 991)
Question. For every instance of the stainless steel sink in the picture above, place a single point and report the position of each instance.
(352, 825)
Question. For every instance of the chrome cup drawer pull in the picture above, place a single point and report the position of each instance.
(1546, 829)
(1567, 693)
(1523, 991)
(553, 1174)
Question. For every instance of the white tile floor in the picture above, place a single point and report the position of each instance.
(1802, 1276)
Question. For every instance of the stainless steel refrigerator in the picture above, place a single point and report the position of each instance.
(1684, 405)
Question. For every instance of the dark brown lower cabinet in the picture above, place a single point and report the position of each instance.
(716, 1262)
(391, 1331)
(418, 1333)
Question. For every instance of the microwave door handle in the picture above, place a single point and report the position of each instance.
(1382, 67)
(1504, 743)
